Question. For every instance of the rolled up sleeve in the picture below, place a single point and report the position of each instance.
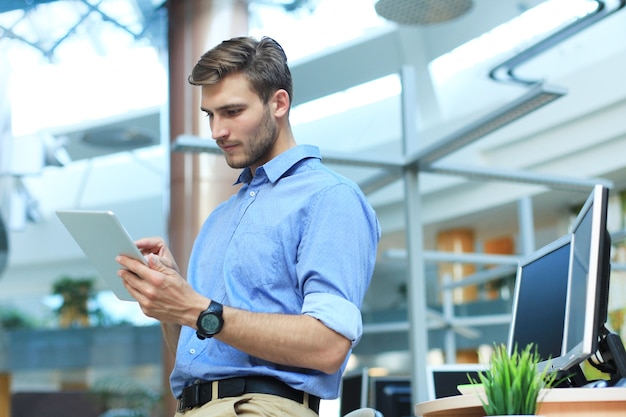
(336, 313)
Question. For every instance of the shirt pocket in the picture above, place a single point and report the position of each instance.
(257, 259)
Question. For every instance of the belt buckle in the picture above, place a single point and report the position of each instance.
(180, 407)
(189, 398)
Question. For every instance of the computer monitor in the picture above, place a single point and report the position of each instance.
(392, 396)
(588, 288)
(443, 380)
(354, 391)
(539, 302)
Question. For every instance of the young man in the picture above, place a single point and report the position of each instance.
(270, 310)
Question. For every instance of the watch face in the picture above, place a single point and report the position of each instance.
(210, 323)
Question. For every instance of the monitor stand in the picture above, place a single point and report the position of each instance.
(612, 357)
(572, 378)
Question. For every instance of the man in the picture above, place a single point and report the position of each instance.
(269, 312)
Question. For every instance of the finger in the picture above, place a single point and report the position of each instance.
(152, 244)
(130, 263)
(163, 264)
(157, 263)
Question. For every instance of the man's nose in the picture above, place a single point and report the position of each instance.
(218, 130)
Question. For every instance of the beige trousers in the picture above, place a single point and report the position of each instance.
(250, 405)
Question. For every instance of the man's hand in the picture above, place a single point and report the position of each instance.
(159, 288)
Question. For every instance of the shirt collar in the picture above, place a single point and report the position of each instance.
(277, 167)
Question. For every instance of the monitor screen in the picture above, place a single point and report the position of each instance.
(354, 391)
(444, 379)
(587, 301)
(392, 396)
(539, 301)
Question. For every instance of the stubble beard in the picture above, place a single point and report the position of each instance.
(260, 145)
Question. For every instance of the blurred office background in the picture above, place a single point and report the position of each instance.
(476, 128)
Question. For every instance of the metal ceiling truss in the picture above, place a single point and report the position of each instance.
(148, 12)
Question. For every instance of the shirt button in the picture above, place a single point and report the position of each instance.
(192, 351)
(252, 193)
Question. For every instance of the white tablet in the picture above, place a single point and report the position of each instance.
(102, 237)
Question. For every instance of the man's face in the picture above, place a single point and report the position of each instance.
(243, 127)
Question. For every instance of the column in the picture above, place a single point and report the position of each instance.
(5, 395)
(198, 182)
(457, 241)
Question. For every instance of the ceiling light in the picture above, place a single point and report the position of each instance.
(119, 137)
(422, 12)
(535, 98)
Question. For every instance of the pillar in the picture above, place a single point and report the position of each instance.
(198, 182)
(5, 394)
(503, 245)
(458, 241)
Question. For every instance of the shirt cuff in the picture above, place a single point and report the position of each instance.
(336, 313)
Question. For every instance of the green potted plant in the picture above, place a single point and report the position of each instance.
(513, 384)
(12, 318)
(76, 293)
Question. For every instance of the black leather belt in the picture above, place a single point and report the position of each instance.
(201, 392)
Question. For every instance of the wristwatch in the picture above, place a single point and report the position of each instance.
(210, 321)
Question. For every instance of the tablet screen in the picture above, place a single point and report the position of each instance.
(102, 238)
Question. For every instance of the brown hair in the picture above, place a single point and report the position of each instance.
(263, 63)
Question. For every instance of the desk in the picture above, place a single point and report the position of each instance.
(558, 402)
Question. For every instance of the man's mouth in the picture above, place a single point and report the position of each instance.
(227, 147)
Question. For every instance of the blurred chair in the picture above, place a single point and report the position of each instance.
(364, 412)
(122, 412)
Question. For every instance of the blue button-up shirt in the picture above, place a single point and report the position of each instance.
(296, 239)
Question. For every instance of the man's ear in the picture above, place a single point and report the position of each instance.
(281, 103)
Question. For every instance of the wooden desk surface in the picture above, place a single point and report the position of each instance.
(558, 402)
